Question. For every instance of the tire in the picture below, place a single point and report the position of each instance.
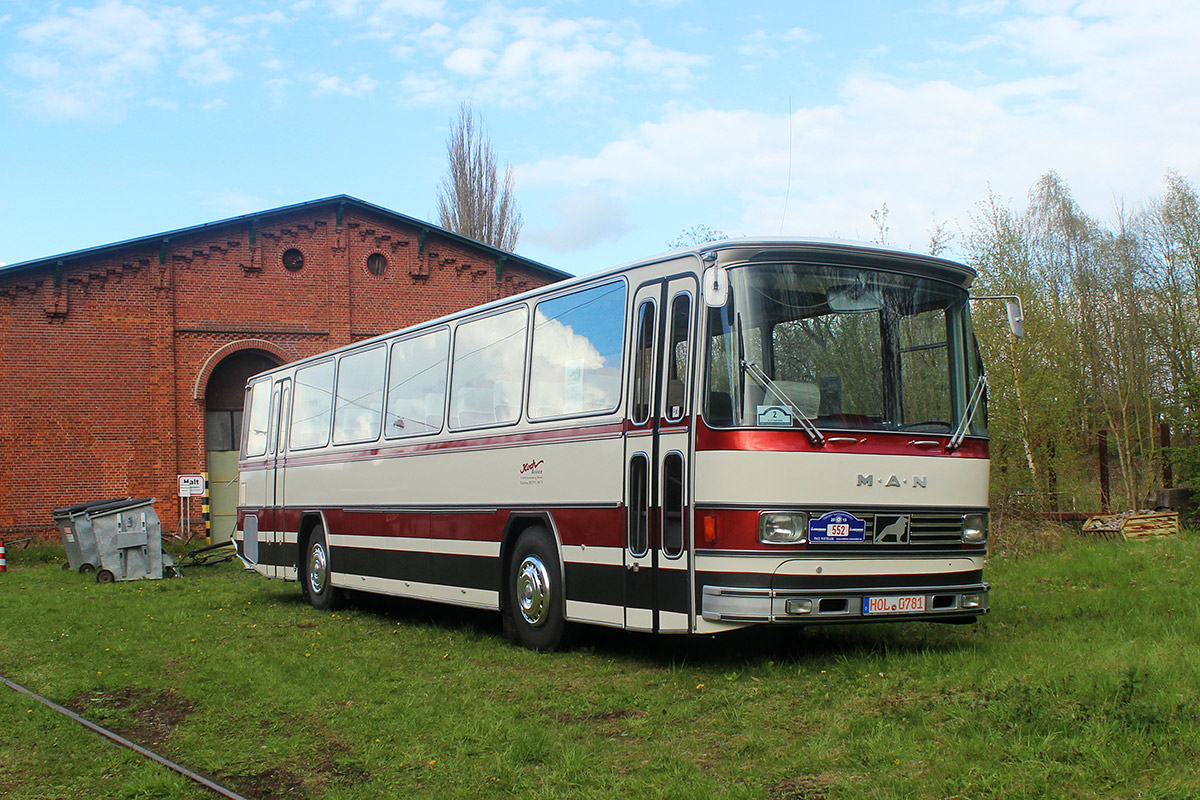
(86, 569)
(535, 585)
(315, 573)
(105, 576)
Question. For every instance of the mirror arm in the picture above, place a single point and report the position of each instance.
(1016, 321)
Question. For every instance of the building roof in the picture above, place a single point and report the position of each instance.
(341, 199)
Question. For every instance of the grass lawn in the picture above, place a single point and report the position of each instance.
(1084, 682)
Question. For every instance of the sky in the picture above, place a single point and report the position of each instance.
(625, 122)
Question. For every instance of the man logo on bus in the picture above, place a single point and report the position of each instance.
(917, 482)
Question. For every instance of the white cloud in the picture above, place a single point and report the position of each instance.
(335, 84)
(85, 62)
(519, 55)
(275, 17)
(585, 218)
(1109, 103)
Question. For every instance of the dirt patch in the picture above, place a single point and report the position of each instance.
(601, 716)
(265, 785)
(808, 787)
(155, 715)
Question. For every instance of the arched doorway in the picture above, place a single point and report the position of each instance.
(224, 396)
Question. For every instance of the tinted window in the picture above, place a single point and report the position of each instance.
(677, 357)
(643, 363)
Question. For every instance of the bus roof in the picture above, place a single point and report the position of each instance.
(726, 252)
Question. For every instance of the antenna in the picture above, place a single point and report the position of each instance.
(787, 194)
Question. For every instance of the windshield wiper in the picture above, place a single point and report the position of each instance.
(814, 435)
(960, 432)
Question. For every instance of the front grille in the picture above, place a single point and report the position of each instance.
(925, 530)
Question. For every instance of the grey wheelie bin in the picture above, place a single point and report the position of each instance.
(78, 539)
(129, 540)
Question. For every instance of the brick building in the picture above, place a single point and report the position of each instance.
(123, 366)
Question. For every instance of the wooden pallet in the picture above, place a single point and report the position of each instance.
(1133, 525)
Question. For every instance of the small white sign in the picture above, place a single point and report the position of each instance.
(191, 485)
(774, 416)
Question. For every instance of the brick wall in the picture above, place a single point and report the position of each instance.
(102, 379)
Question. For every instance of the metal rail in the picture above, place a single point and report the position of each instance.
(123, 742)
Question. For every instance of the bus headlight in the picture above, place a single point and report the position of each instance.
(974, 528)
(777, 527)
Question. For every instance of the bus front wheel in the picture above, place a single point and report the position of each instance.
(315, 580)
(535, 607)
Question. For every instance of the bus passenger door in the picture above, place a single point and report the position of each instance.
(672, 574)
(657, 597)
(271, 534)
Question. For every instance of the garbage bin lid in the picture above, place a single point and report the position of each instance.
(70, 511)
(113, 506)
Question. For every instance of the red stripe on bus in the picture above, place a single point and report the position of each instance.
(895, 443)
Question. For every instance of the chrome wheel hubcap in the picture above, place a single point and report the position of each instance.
(533, 590)
(318, 569)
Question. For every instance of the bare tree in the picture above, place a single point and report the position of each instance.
(695, 236)
(474, 199)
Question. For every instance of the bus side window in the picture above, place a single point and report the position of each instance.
(577, 344)
(358, 409)
(312, 406)
(489, 369)
(417, 384)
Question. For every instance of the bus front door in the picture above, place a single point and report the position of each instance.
(658, 448)
(270, 535)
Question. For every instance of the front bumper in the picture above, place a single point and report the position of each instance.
(741, 604)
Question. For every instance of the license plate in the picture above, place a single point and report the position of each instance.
(894, 604)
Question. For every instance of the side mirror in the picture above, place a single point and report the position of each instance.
(1016, 317)
(1016, 313)
(716, 287)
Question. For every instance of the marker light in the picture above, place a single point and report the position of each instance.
(801, 605)
(775, 527)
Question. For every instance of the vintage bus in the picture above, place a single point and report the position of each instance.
(754, 431)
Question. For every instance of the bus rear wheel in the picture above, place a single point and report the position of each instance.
(535, 585)
(315, 580)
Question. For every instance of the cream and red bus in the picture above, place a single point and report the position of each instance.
(754, 431)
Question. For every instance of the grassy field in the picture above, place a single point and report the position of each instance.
(1084, 682)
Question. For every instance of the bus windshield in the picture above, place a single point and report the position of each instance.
(809, 345)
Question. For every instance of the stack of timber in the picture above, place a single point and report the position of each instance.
(1133, 525)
